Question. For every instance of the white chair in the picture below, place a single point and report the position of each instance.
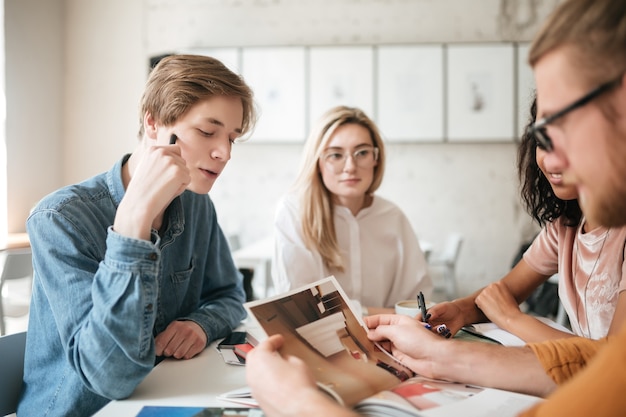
(446, 260)
(12, 348)
(15, 264)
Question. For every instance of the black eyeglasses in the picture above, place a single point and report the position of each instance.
(539, 129)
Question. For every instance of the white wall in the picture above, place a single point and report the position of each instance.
(445, 187)
(34, 91)
(104, 75)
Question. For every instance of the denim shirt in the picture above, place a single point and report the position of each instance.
(100, 298)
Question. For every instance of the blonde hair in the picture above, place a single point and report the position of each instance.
(178, 82)
(317, 207)
(594, 31)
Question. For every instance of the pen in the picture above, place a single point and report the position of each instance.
(442, 329)
(173, 139)
(422, 305)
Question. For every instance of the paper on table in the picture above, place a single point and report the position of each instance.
(425, 397)
(492, 331)
(244, 396)
(178, 411)
(239, 396)
(230, 357)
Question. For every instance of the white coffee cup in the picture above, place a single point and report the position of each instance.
(410, 308)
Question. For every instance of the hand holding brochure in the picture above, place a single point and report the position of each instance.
(320, 327)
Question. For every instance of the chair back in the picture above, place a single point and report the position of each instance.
(234, 242)
(12, 349)
(15, 264)
(452, 248)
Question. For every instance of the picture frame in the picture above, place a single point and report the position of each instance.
(481, 92)
(340, 75)
(277, 75)
(410, 92)
(525, 87)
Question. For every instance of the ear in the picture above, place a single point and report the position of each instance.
(149, 126)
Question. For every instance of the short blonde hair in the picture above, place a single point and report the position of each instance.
(178, 82)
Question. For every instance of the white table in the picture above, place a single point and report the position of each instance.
(194, 383)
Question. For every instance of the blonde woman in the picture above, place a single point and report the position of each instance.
(331, 223)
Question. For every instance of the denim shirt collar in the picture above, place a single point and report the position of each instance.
(115, 182)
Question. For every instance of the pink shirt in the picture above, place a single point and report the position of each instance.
(591, 272)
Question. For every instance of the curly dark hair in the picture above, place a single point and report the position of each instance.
(537, 194)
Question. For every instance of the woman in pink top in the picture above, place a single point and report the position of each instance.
(588, 258)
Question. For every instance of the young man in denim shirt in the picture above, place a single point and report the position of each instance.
(131, 265)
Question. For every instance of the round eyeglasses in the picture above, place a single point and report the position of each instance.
(364, 157)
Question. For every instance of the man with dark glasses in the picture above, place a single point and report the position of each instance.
(540, 128)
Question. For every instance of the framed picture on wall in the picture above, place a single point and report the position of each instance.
(410, 86)
(525, 88)
(277, 77)
(480, 95)
(340, 75)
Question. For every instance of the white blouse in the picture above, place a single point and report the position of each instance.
(383, 262)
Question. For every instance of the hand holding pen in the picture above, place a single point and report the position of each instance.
(158, 175)
(442, 329)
